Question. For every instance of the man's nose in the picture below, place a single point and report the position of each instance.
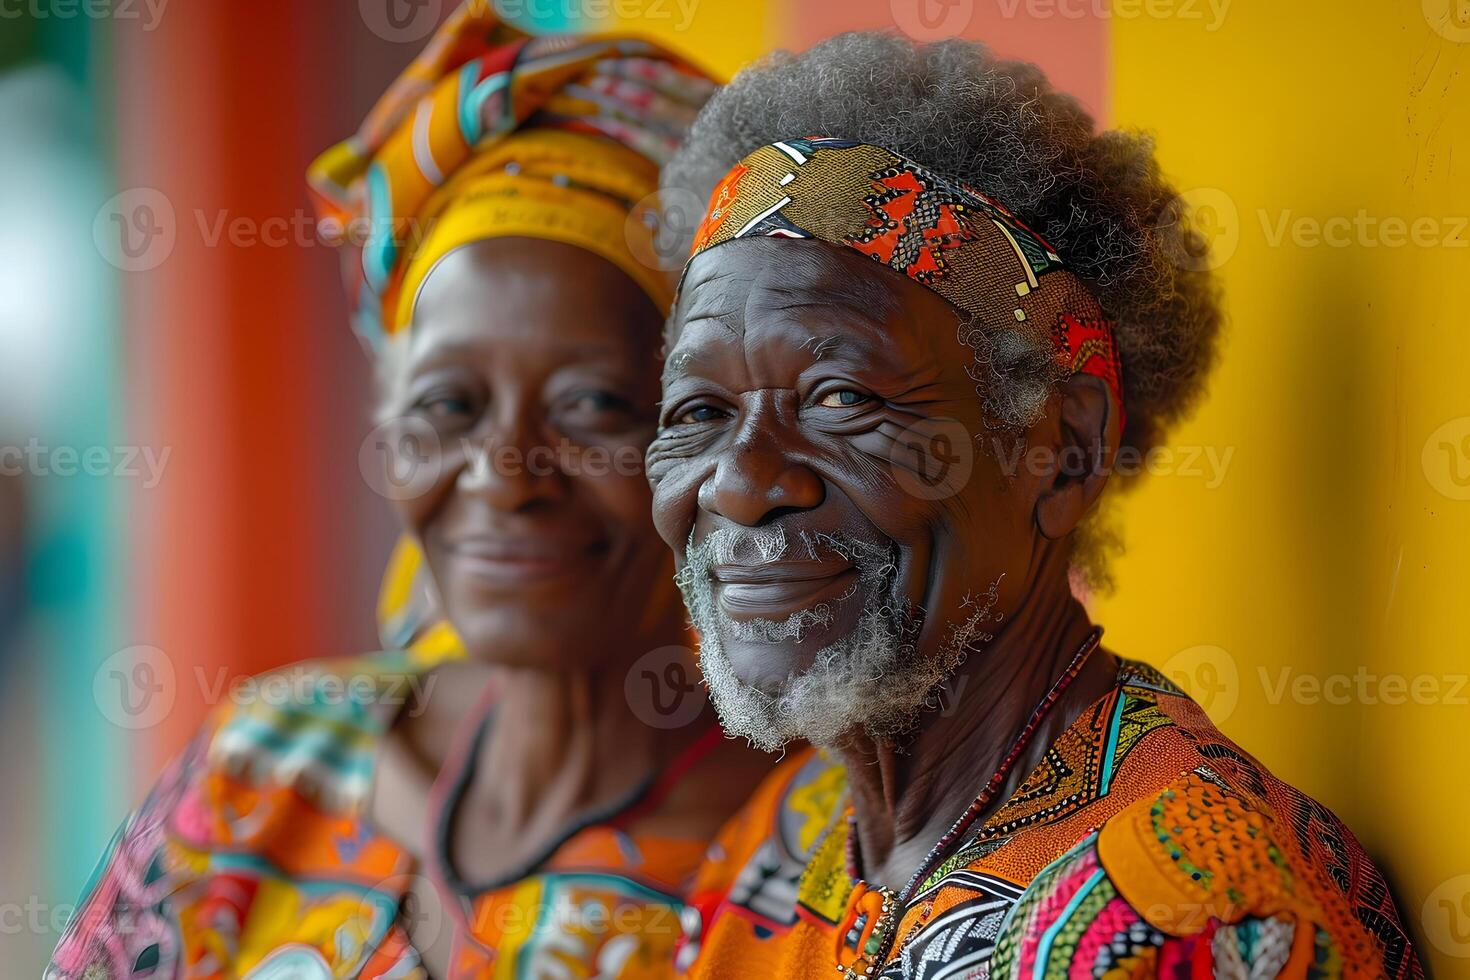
(760, 475)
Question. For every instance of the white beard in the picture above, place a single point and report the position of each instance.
(871, 679)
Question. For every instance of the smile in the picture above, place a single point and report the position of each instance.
(776, 590)
(516, 562)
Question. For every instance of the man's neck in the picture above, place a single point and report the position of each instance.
(907, 795)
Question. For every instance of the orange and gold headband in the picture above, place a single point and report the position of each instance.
(941, 233)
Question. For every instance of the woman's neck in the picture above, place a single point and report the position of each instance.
(562, 744)
(907, 796)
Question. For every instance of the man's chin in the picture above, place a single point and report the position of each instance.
(768, 667)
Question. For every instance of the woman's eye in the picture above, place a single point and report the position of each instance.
(842, 398)
(600, 411)
(445, 406)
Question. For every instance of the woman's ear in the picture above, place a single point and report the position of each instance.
(1086, 444)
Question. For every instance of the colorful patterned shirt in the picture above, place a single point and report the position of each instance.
(253, 858)
(1145, 844)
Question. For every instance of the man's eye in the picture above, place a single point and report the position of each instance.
(700, 413)
(842, 398)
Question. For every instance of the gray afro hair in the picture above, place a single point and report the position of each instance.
(1099, 198)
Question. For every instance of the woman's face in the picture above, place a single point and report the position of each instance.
(530, 383)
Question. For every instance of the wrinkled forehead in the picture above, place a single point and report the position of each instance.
(757, 282)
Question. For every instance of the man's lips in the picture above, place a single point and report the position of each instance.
(775, 590)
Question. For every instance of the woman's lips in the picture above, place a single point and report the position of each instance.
(779, 589)
(517, 563)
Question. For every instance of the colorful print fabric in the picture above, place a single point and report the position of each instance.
(252, 859)
(490, 132)
(1145, 844)
(943, 234)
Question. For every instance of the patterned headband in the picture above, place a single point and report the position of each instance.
(941, 233)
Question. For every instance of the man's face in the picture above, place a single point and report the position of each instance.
(843, 524)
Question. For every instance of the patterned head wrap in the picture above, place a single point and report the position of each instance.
(943, 234)
(493, 133)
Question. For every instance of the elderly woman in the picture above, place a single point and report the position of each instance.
(926, 310)
(531, 808)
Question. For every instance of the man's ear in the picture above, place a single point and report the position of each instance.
(1086, 444)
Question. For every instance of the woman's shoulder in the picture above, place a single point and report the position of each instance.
(314, 726)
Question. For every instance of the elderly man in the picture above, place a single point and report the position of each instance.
(926, 311)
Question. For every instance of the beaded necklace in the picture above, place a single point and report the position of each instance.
(874, 950)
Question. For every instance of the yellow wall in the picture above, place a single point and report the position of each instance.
(1331, 544)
